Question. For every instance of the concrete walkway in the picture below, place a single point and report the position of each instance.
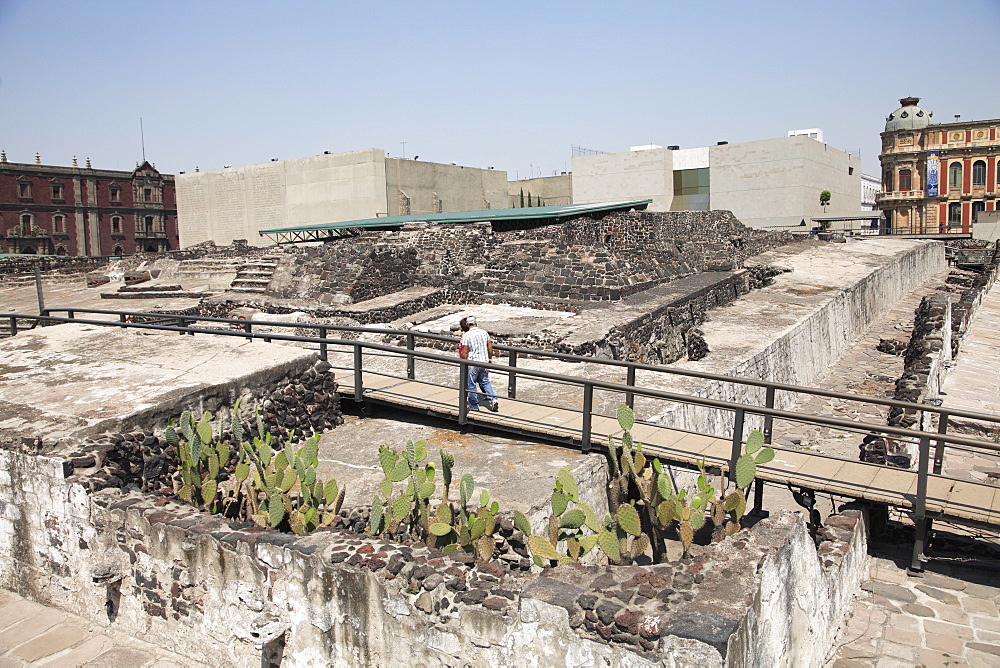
(974, 382)
(36, 635)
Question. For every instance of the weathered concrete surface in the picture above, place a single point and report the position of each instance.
(76, 380)
(793, 329)
(520, 474)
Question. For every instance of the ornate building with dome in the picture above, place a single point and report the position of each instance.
(936, 177)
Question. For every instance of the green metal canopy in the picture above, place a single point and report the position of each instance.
(326, 231)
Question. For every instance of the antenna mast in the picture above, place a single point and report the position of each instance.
(142, 138)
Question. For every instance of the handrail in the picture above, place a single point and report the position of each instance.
(534, 373)
(516, 350)
(923, 438)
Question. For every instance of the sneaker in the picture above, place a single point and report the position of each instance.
(495, 406)
(474, 408)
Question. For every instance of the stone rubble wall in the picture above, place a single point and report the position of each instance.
(227, 594)
(578, 260)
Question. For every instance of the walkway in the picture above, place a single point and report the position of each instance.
(961, 500)
(36, 635)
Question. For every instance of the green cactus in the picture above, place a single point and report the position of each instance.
(446, 526)
(575, 527)
(274, 487)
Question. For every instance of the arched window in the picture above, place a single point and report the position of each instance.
(955, 175)
(979, 173)
(888, 181)
(61, 250)
(119, 251)
(905, 180)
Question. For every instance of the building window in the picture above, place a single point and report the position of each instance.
(26, 221)
(147, 195)
(955, 175)
(850, 171)
(57, 191)
(149, 225)
(116, 225)
(116, 192)
(955, 213)
(905, 180)
(24, 189)
(888, 181)
(119, 251)
(979, 173)
(977, 207)
(58, 224)
(60, 250)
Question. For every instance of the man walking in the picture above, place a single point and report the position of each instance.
(477, 346)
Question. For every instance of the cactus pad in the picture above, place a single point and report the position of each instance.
(559, 502)
(626, 418)
(628, 520)
(746, 471)
(566, 480)
(542, 548)
(521, 523)
(573, 519)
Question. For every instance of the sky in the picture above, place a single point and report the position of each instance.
(511, 85)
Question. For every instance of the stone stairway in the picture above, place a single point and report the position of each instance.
(255, 276)
(207, 266)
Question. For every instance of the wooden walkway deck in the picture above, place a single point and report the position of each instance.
(947, 498)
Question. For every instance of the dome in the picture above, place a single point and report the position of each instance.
(908, 117)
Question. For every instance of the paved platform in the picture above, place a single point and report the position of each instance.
(76, 380)
(36, 635)
(947, 617)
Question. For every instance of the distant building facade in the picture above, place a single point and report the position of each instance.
(236, 203)
(937, 177)
(51, 210)
(871, 186)
(766, 183)
(541, 191)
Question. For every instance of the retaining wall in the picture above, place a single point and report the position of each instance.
(229, 594)
(801, 352)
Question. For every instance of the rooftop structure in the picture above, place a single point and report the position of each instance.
(236, 203)
(766, 183)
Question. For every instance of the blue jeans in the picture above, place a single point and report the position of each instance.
(481, 377)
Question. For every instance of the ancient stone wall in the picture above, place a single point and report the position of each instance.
(801, 354)
(227, 594)
(577, 260)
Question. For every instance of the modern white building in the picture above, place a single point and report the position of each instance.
(766, 183)
(236, 203)
(870, 187)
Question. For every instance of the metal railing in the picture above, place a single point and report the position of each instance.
(183, 324)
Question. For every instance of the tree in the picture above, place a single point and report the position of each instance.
(824, 199)
(522, 198)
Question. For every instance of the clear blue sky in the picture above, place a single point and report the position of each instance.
(513, 85)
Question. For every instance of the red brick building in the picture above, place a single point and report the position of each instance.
(75, 210)
(937, 177)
